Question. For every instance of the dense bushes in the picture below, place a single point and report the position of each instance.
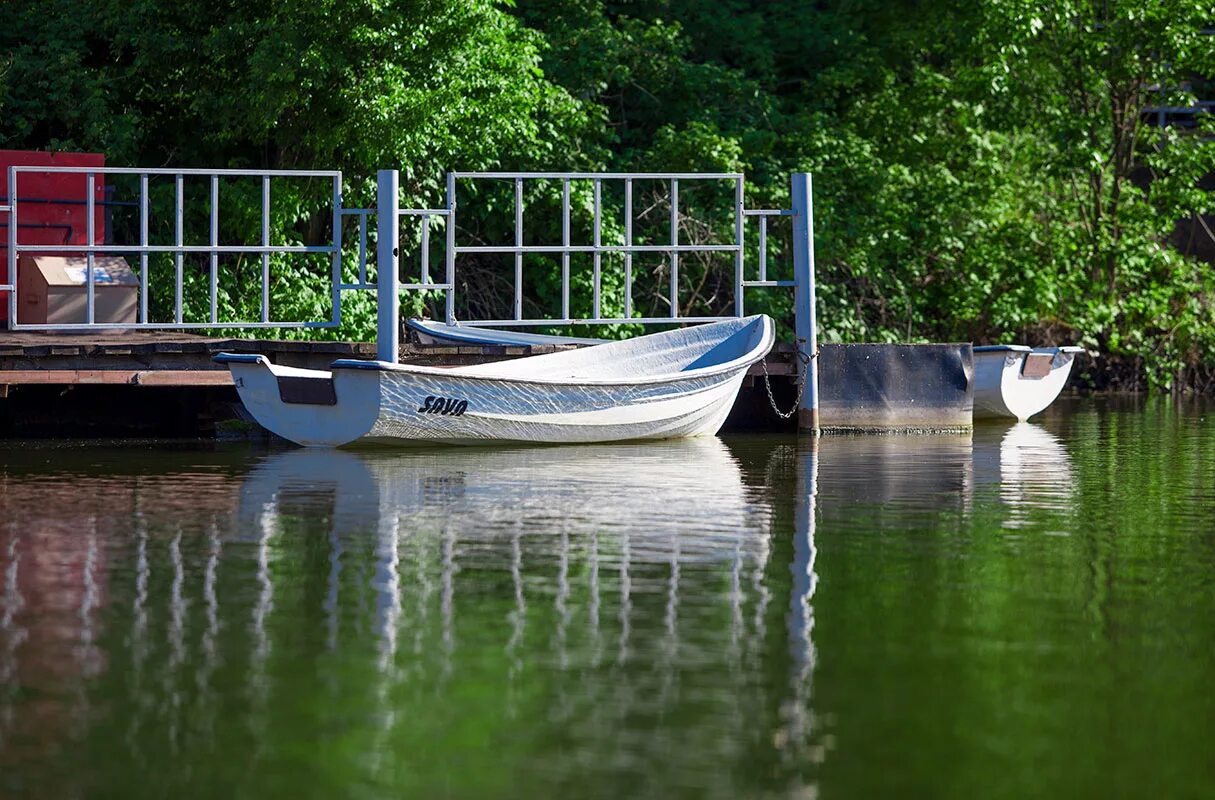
(982, 170)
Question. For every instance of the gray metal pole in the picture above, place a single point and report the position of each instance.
(12, 246)
(449, 294)
(805, 323)
(388, 303)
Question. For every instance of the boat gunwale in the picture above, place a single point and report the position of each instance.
(1022, 348)
(1002, 348)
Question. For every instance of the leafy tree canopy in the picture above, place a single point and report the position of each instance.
(986, 170)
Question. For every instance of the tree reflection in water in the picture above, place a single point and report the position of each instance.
(597, 611)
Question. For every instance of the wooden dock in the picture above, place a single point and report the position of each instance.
(51, 381)
(157, 359)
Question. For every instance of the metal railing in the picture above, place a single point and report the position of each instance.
(11, 285)
(597, 248)
(801, 216)
(178, 248)
(362, 261)
(388, 284)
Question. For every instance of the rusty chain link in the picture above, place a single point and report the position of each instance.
(801, 389)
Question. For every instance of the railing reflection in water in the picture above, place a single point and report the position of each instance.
(643, 573)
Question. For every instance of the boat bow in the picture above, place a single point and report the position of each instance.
(309, 407)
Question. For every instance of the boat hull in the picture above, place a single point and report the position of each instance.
(1016, 382)
(515, 411)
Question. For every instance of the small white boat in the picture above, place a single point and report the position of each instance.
(430, 332)
(1015, 382)
(663, 386)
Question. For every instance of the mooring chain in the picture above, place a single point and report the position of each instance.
(801, 388)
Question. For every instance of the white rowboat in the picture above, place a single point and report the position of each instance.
(1016, 382)
(663, 386)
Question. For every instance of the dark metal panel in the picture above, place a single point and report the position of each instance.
(896, 386)
(306, 391)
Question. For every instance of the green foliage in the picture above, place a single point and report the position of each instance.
(982, 170)
(355, 85)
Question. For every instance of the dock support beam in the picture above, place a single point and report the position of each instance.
(805, 322)
(388, 232)
(11, 297)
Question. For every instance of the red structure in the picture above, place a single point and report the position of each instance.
(51, 206)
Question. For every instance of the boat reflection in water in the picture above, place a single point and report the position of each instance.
(614, 598)
(613, 613)
(593, 586)
(631, 515)
(653, 499)
(1029, 467)
(1024, 465)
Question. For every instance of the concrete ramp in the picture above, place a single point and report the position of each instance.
(896, 387)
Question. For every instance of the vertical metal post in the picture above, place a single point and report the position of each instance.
(565, 254)
(674, 244)
(519, 253)
(91, 228)
(362, 249)
(763, 248)
(450, 278)
(628, 243)
(597, 268)
(388, 227)
(739, 217)
(335, 258)
(425, 248)
(214, 277)
(179, 235)
(12, 246)
(805, 323)
(265, 253)
(143, 243)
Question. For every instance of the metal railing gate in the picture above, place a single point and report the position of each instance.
(177, 248)
(388, 283)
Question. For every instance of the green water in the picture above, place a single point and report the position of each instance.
(1028, 611)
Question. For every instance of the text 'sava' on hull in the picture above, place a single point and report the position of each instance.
(662, 386)
(1016, 382)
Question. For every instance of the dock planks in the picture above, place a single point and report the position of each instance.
(150, 358)
(116, 377)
